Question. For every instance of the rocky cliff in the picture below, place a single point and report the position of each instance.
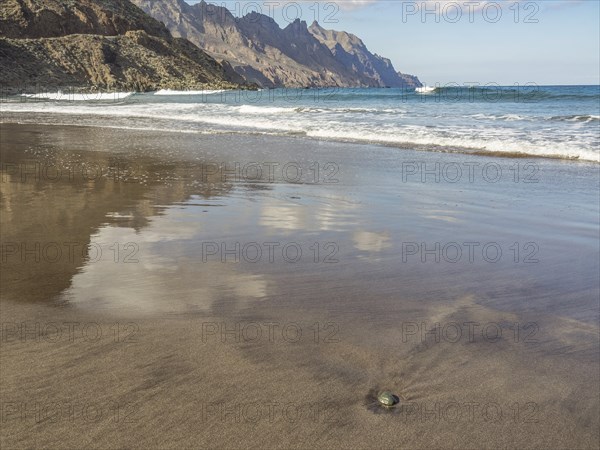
(262, 52)
(410, 80)
(356, 57)
(107, 44)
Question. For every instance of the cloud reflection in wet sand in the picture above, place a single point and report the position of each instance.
(371, 242)
(157, 278)
(333, 213)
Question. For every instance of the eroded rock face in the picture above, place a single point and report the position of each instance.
(263, 53)
(55, 18)
(108, 44)
(410, 80)
(354, 54)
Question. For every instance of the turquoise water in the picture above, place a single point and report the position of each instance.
(553, 121)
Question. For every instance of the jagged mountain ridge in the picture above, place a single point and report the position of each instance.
(263, 53)
(353, 53)
(109, 44)
(256, 47)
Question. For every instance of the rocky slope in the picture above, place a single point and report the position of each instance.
(354, 55)
(263, 53)
(107, 44)
(410, 80)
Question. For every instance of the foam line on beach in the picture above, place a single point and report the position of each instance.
(168, 92)
(69, 96)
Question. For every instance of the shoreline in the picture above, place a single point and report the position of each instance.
(433, 149)
(560, 123)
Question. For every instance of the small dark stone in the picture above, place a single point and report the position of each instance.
(387, 399)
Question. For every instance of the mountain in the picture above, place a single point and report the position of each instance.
(410, 80)
(55, 18)
(108, 44)
(263, 53)
(354, 55)
(256, 47)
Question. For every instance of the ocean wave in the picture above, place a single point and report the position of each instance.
(504, 117)
(576, 118)
(351, 110)
(499, 130)
(462, 143)
(411, 139)
(262, 110)
(490, 93)
(518, 94)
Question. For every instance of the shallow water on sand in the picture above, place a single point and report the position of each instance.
(351, 253)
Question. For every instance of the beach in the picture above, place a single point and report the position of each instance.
(175, 289)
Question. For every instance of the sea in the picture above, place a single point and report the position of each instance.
(560, 122)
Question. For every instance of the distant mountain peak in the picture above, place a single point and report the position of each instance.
(297, 24)
(261, 51)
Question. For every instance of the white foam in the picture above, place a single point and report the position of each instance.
(565, 139)
(511, 117)
(251, 109)
(505, 117)
(202, 92)
(586, 119)
(462, 140)
(72, 97)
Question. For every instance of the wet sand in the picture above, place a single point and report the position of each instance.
(146, 300)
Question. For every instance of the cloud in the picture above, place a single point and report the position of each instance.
(356, 4)
(559, 4)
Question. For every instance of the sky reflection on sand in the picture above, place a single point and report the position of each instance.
(361, 224)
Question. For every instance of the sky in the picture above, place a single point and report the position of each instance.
(504, 42)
